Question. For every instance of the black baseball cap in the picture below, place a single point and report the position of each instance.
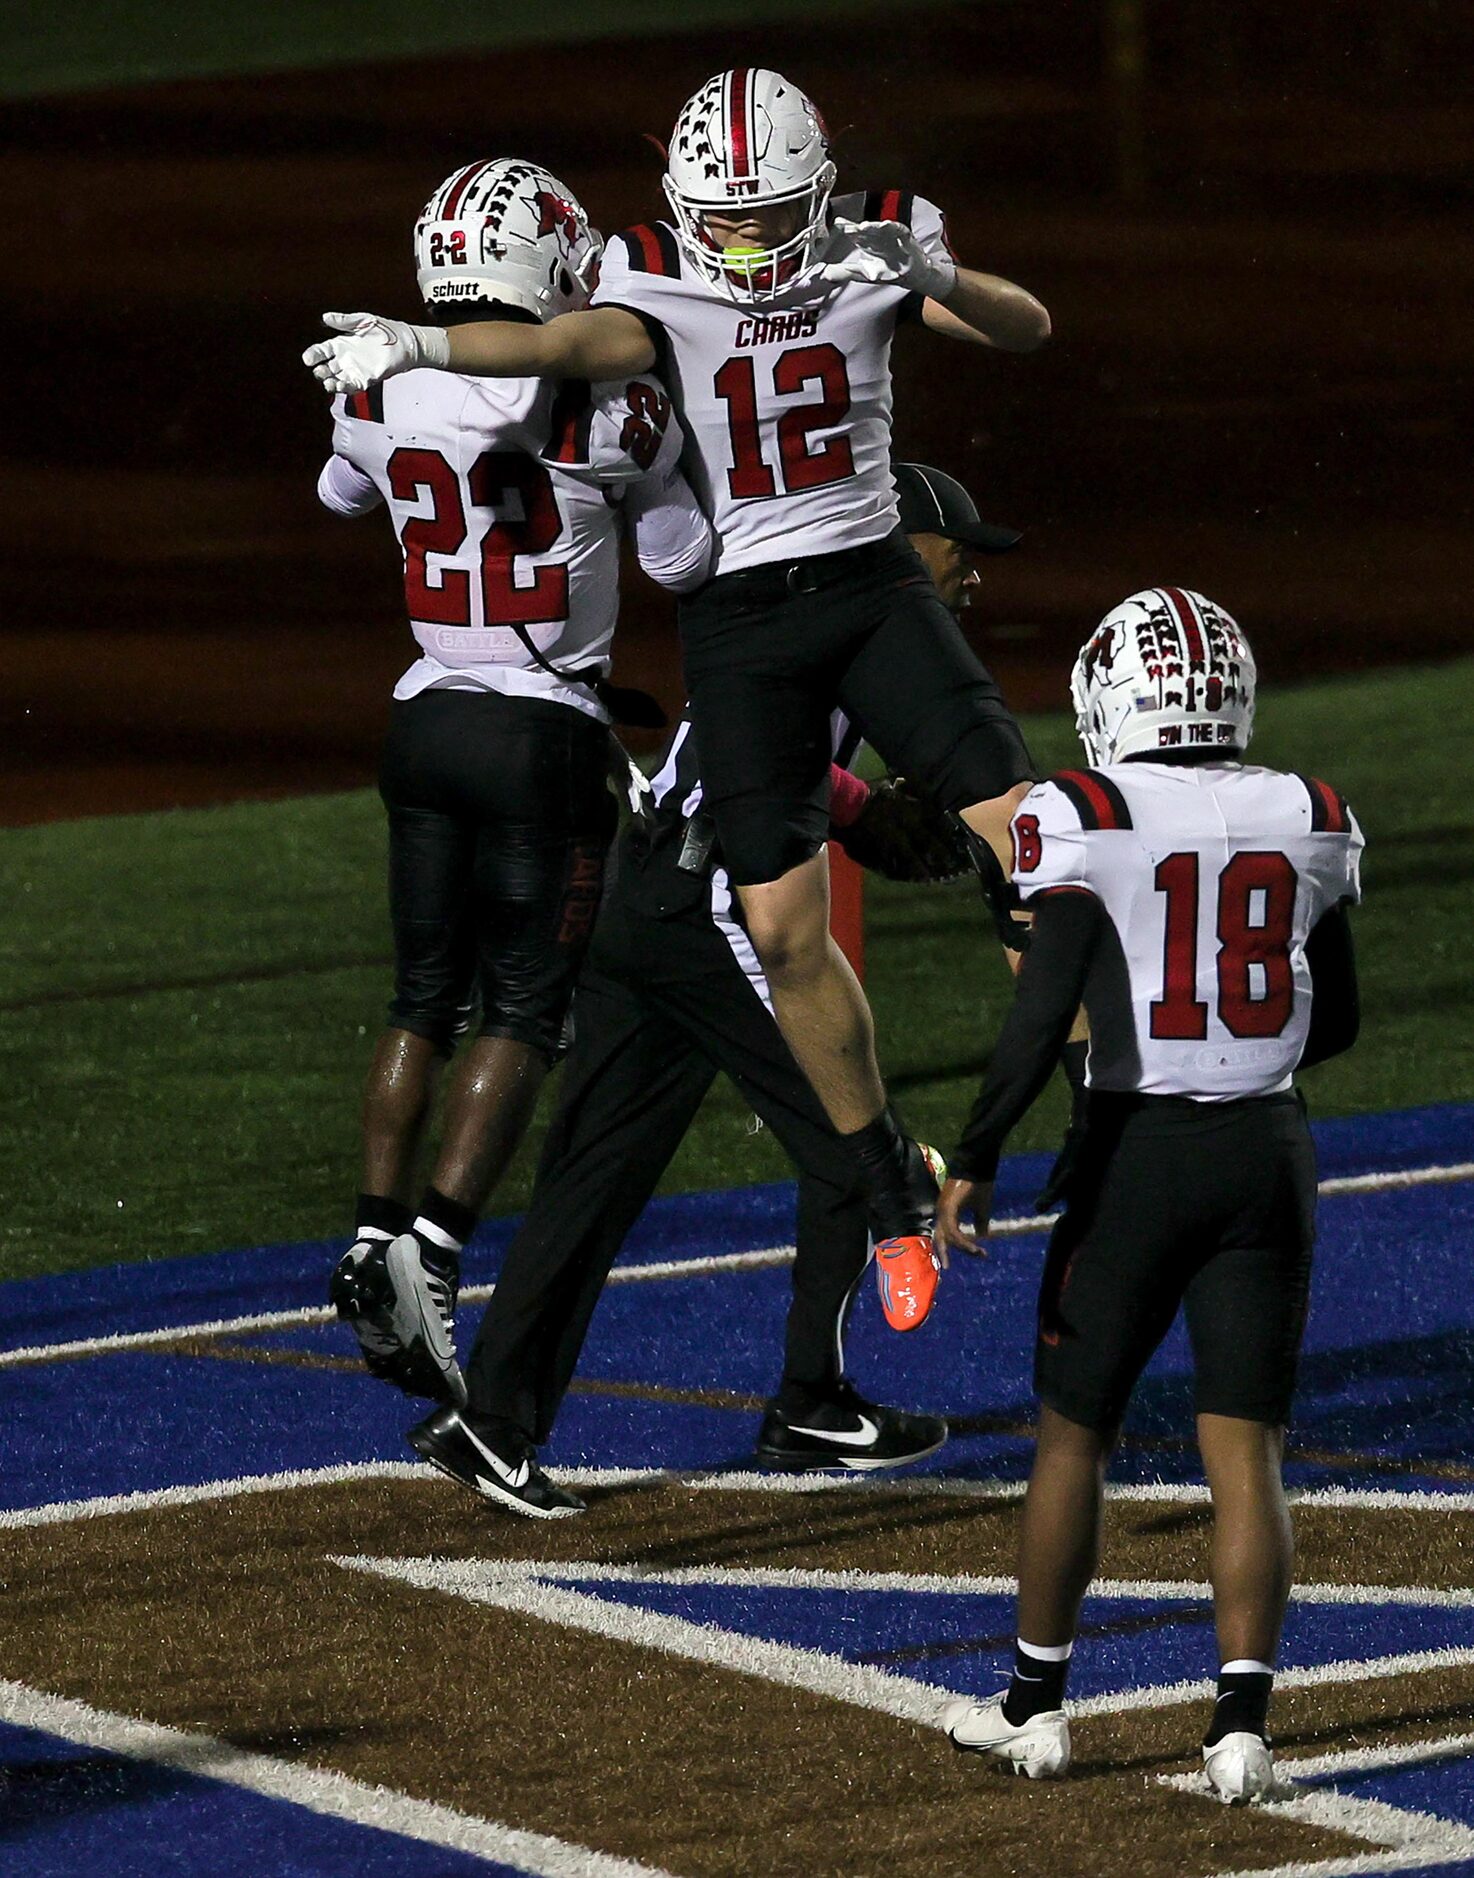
(933, 503)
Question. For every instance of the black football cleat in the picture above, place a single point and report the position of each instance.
(403, 1315)
(512, 1478)
(843, 1430)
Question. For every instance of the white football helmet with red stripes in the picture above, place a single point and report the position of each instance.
(748, 139)
(1165, 670)
(506, 230)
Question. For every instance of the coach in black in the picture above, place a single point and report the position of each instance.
(671, 993)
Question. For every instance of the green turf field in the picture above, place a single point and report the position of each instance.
(188, 1001)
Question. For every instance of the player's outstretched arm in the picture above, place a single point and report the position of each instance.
(989, 311)
(596, 343)
(959, 301)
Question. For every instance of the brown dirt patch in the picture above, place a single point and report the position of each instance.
(228, 1617)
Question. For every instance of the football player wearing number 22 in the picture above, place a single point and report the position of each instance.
(508, 497)
(1198, 906)
(769, 307)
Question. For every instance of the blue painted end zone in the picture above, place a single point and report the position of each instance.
(1384, 1378)
(115, 1299)
(71, 1807)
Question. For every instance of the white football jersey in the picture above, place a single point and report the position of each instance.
(787, 406)
(505, 496)
(1212, 879)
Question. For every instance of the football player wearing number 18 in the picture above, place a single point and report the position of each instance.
(770, 309)
(1197, 905)
(508, 498)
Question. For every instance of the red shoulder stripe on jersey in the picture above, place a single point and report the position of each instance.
(643, 244)
(670, 250)
(1187, 624)
(1097, 800)
(367, 406)
(888, 205)
(1328, 811)
(572, 418)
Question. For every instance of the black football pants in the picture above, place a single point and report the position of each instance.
(661, 1006)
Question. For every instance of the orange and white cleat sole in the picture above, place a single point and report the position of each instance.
(907, 1271)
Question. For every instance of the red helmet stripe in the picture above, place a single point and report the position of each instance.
(458, 194)
(739, 96)
(1187, 623)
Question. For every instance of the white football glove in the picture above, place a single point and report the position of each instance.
(887, 253)
(374, 348)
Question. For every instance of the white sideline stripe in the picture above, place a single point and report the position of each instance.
(1376, 1760)
(1352, 1669)
(966, 1584)
(626, 1275)
(1413, 1839)
(308, 1315)
(61, 1512)
(333, 1795)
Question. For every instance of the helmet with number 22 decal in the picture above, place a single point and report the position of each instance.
(1166, 670)
(506, 230)
(748, 139)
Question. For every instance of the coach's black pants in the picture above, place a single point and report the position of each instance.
(661, 1006)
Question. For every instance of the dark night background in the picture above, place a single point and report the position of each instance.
(1250, 223)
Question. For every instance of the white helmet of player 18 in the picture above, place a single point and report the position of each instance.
(749, 139)
(506, 230)
(1165, 670)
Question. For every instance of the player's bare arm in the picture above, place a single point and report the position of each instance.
(600, 343)
(988, 311)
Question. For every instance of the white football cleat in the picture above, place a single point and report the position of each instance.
(1038, 1748)
(1240, 1768)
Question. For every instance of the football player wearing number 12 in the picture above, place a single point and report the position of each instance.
(770, 309)
(1198, 906)
(508, 498)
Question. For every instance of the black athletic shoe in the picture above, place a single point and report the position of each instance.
(448, 1441)
(903, 1201)
(403, 1315)
(844, 1430)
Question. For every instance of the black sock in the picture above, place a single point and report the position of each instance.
(453, 1219)
(378, 1217)
(1242, 1706)
(878, 1146)
(1036, 1686)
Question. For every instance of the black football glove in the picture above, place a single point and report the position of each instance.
(900, 834)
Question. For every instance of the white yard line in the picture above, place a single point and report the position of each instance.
(543, 1590)
(333, 1795)
(923, 1486)
(625, 1274)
